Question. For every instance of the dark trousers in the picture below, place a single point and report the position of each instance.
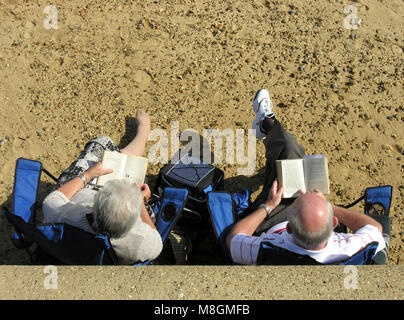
(279, 145)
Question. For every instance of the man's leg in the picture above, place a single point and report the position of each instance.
(279, 145)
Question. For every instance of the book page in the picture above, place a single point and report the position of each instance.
(135, 170)
(291, 177)
(316, 173)
(112, 160)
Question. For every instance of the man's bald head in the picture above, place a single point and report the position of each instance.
(311, 220)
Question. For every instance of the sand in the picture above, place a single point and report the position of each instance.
(339, 91)
(264, 283)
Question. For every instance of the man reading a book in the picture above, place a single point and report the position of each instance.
(303, 224)
(118, 209)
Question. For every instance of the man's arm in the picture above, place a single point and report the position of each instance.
(354, 220)
(250, 223)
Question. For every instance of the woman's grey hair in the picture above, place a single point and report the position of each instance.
(116, 207)
(310, 240)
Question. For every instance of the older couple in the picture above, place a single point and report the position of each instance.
(304, 226)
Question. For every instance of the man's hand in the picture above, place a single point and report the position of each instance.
(301, 193)
(249, 224)
(319, 193)
(274, 196)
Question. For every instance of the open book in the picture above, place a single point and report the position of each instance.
(305, 174)
(131, 168)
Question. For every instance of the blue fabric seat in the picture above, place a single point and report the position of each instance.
(66, 243)
(27, 176)
(223, 216)
(269, 254)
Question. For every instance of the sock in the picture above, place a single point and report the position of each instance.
(267, 124)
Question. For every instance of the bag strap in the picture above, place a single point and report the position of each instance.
(49, 174)
(353, 203)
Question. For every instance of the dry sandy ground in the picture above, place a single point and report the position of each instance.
(338, 91)
(204, 283)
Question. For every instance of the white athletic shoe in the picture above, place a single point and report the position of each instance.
(262, 106)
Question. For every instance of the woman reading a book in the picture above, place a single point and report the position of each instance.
(117, 209)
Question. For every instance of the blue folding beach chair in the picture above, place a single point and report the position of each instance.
(68, 244)
(269, 254)
(223, 216)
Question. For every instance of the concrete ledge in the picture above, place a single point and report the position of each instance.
(202, 282)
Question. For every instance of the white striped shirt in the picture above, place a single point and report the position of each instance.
(244, 248)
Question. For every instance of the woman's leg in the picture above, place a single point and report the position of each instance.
(94, 149)
(137, 146)
(92, 153)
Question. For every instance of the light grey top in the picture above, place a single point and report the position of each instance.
(141, 243)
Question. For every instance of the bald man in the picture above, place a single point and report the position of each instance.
(304, 225)
(308, 230)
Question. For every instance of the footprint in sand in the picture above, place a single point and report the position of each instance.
(142, 79)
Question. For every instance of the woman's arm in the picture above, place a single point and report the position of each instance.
(70, 188)
(144, 215)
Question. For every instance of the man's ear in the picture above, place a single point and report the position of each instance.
(288, 228)
(334, 222)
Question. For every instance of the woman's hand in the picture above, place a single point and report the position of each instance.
(70, 188)
(144, 191)
(96, 171)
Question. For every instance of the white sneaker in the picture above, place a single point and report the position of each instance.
(262, 106)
